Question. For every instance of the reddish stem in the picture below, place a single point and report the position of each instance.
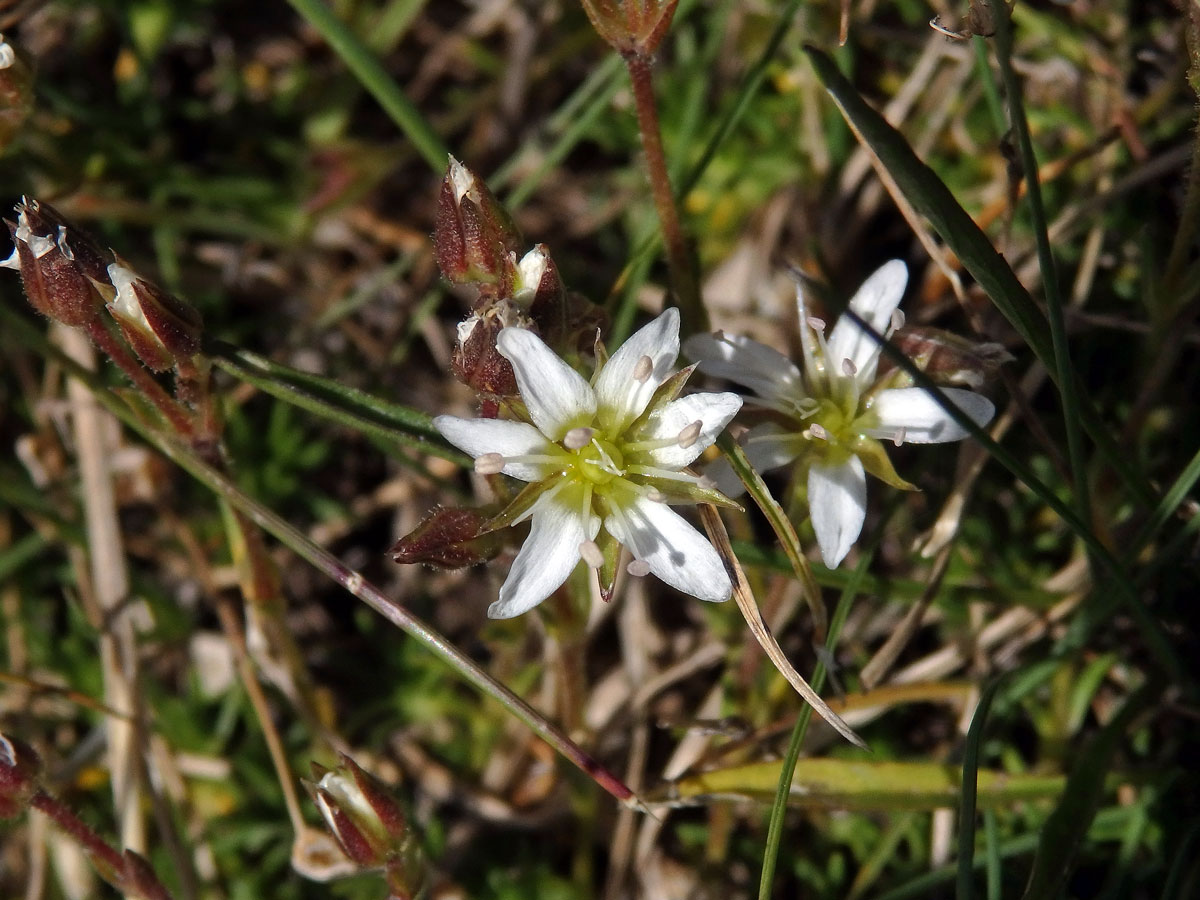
(679, 260)
(62, 816)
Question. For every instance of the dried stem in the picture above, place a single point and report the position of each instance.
(679, 260)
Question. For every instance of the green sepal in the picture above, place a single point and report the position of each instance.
(610, 548)
(875, 460)
(686, 492)
(519, 505)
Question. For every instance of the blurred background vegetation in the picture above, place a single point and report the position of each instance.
(227, 152)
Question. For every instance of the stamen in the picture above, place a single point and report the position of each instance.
(590, 551)
(897, 319)
(706, 484)
(849, 367)
(655, 495)
(898, 437)
(489, 464)
(816, 324)
(638, 568)
(643, 370)
(817, 430)
(578, 438)
(690, 435)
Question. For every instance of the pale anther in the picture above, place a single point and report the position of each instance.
(578, 438)
(897, 319)
(705, 483)
(690, 435)
(638, 568)
(898, 438)
(849, 368)
(643, 370)
(489, 464)
(816, 324)
(817, 430)
(590, 551)
(656, 495)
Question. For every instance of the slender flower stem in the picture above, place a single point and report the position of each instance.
(153, 391)
(679, 260)
(64, 817)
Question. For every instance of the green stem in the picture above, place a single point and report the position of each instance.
(371, 74)
(679, 260)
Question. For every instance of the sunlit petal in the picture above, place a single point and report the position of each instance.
(913, 415)
(558, 398)
(743, 361)
(712, 411)
(767, 446)
(620, 395)
(479, 436)
(837, 504)
(875, 302)
(675, 551)
(546, 559)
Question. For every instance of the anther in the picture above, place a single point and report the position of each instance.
(655, 495)
(638, 568)
(816, 324)
(705, 483)
(643, 369)
(590, 551)
(849, 367)
(817, 430)
(690, 435)
(897, 319)
(489, 464)
(578, 438)
(899, 436)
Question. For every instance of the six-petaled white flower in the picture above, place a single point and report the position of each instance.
(606, 455)
(833, 414)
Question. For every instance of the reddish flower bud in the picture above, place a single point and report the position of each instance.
(449, 539)
(473, 236)
(162, 330)
(946, 358)
(64, 272)
(631, 27)
(476, 361)
(369, 824)
(19, 771)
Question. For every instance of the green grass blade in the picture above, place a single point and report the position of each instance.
(970, 790)
(371, 74)
(1170, 502)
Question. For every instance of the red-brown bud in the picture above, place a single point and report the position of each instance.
(19, 771)
(449, 538)
(476, 361)
(162, 330)
(64, 272)
(369, 824)
(631, 27)
(946, 358)
(473, 236)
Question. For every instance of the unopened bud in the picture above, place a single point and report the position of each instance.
(449, 539)
(476, 362)
(162, 330)
(64, 272)
(632, 27)
(369, 824)
(473, 235)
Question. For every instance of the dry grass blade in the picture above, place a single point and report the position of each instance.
(745, 601)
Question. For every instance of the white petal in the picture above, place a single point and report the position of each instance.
(874, 303)
(743, 361)
(767, 446)
(918, 418)
(546, 558)
(558, 398)
(620, 396)
(479, 436)
(712, 411)
(675, 551)
(837, 505)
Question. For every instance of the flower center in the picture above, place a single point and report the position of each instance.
(600, 462)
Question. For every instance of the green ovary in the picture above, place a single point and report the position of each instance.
(600, 462)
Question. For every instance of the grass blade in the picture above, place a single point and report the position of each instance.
(970, 793)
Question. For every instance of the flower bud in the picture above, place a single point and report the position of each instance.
(476, 361)
(473, 235)
(16, 92)
(162, 330)
(631, 27)
(449, 538)
(19, 771)
(368, 823)
(64, 272)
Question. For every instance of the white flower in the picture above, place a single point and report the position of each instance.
(607, 455)
(835, 412)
